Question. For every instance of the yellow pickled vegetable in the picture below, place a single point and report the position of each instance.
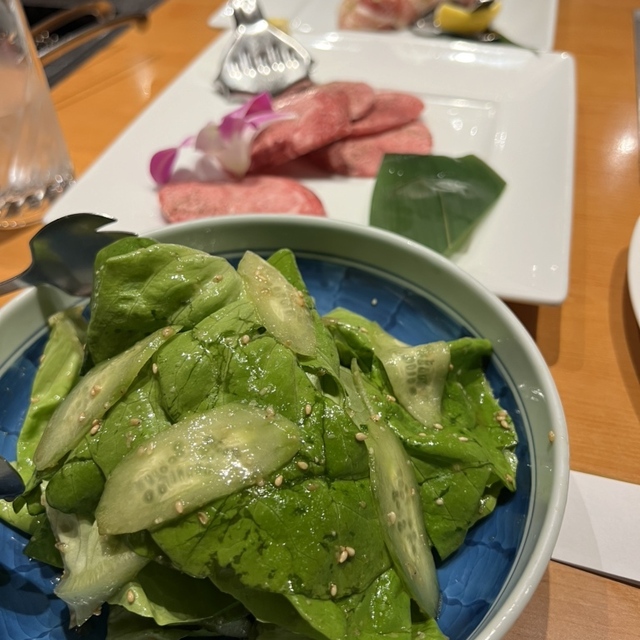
(455, 19)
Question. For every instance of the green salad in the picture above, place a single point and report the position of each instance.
(208, 456)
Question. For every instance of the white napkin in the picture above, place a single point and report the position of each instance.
(601, 527)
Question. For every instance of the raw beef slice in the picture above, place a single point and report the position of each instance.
(360, 96)
(391, 109)
(361, 156)
(182, 201)
(318, 118)
(381, 14)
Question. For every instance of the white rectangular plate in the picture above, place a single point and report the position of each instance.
(529, 23)
(510, 107)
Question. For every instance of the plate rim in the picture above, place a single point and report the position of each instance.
(552, 291)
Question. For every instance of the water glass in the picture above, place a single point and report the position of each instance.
(34, 161)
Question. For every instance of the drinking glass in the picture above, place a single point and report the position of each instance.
(34, 161)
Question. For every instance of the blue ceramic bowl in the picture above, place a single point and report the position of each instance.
(419, 296)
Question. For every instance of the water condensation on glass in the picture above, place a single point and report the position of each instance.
(34, 162)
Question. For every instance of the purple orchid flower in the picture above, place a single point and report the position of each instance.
(227, 145)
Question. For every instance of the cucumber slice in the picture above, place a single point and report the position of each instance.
(92, 397)
(281, 307)
(418, 375)
(95, 566)
(397, 498)
(197, 460)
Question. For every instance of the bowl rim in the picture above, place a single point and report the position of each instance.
(268, 228)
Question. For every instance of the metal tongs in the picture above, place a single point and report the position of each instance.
(262, 58)
(63, 253)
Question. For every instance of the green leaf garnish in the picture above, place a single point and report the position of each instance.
(434, 200)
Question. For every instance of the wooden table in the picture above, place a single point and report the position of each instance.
(591, 343)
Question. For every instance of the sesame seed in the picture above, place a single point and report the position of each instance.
(438, 426)
(344, 556)
(391, 398)
(391, 517)
(95, 390)
(307, 409)
(134, 422)
(35, 399)
(260, 482)
(333, 590)
(463, 438)
(302, 465)
(509, 478)
(504, 424)
(131, 597)
(374, 302)
(158, 520)
(363, 330)
(82, 417)
(270, 412)
(218, 278)
(363, 504)
(179, 505)
(154, 368)
(203, 517)
(278, 481)
(376, 417)
(351, 551)
(552, 436)
(361, 437)
(312, 486)
(439, 501)
(245, 339)
(94, 429)
(167, 331)
(422, 434)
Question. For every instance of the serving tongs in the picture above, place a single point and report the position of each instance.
(261, 58)
(51, 46)
(63, 253)
(11, 484)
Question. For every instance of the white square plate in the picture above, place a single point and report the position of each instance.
(513, 108)
(529, 23)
